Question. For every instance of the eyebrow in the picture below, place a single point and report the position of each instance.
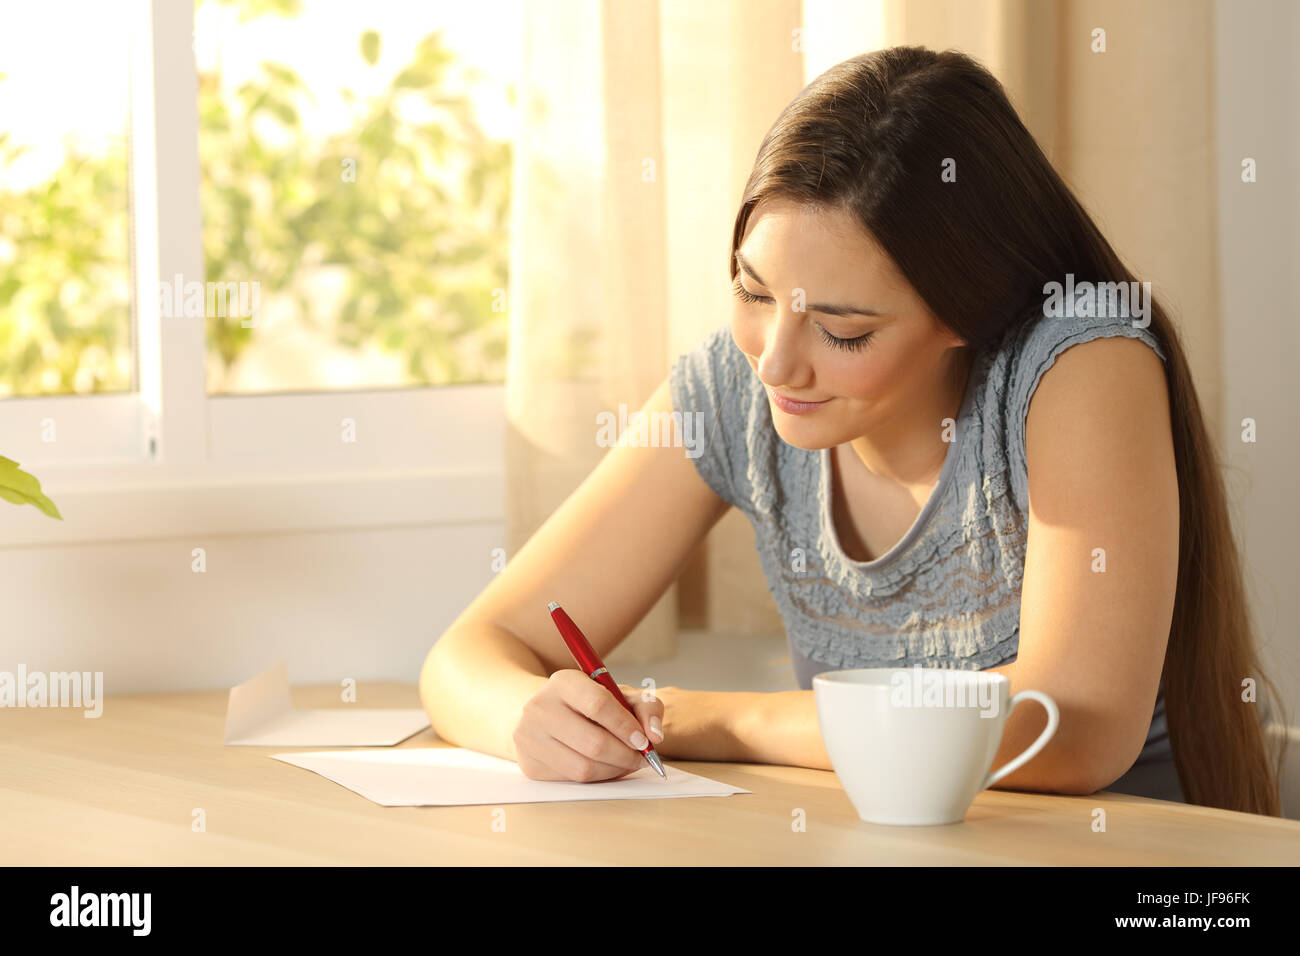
(816, 306)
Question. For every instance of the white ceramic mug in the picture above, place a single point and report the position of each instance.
(912, 746)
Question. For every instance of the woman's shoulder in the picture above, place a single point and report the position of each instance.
(716, 352)
(1024, 356)
(712, 379)
(714, 383)
(1033, 344)
(1044, 333)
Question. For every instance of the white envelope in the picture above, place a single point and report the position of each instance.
(259, 714)
(454, 776)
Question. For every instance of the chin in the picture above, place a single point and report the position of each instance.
(802, 434)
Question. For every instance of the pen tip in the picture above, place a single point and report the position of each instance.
(552, 606)
(656, 763)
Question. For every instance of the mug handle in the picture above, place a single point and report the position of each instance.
(1053, 719)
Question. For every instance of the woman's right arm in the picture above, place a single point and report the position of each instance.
(607, 554)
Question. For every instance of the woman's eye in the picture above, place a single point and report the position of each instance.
(744, 294)
(848, 345)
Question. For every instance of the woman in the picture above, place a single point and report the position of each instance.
(929, 333)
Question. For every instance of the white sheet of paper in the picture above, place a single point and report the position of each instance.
(454, 777)
(259, 714)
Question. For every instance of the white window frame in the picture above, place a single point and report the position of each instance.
(168, 459)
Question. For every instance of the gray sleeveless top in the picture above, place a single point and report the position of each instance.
(948, 593)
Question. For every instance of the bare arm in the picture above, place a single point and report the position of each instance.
(1103, 485)
(607, 554)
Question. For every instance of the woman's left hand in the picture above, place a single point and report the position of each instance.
(649, 703)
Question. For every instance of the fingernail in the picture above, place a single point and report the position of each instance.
(656, 728)
(639, 740)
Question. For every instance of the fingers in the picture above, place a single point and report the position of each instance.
(592, 701)
(553, 742)
(561, 762)
(541, 757)
(575, 729)
(649, 713)
(593, 740)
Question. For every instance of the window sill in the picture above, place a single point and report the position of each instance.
(313, 502)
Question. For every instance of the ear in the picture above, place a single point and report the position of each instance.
(951, 338)
(947, 335)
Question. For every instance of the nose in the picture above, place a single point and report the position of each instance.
(781, 363)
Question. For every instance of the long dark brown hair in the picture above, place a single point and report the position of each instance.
(871, 135)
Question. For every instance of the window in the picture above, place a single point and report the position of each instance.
(277, 331)
(355, 191)
(65, 307)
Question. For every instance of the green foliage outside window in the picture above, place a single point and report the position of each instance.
(415, 214)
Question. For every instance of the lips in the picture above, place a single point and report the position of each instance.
(793, 407)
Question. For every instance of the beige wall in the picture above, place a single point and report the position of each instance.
(1257, 89)
(365, 603)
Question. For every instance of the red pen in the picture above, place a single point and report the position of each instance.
(592, 666)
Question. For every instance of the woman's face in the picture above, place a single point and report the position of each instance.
(819, 273)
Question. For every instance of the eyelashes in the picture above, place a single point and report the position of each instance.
(846, 345)
(744, 294)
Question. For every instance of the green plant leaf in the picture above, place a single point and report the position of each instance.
(282, 74)
(23, 489)
(414, 77)
(370, 46)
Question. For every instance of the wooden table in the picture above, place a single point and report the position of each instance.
(121, 790)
